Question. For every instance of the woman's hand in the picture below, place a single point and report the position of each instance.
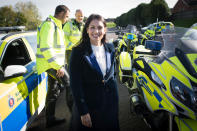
(86, 120)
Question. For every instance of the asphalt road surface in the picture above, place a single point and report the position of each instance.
(128, 121)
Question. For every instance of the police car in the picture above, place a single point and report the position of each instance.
(159, 26)
(22, 90)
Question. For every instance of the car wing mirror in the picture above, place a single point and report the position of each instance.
(14, 71)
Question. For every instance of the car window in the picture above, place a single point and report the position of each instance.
(167, 24)
(16, 53)
(151, 27)
(32, 39)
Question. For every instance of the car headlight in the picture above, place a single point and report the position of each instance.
(156, 78)
(184, 94)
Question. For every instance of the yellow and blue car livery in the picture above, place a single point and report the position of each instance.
(158, 27)
(162, 26)
(22, 97)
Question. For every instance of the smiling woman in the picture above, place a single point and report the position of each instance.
(93, 80)
(96, 32)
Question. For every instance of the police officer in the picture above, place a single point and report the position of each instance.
(73, 31)
(51, 58)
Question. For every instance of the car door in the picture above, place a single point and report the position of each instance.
(37, 92)
(20, 94)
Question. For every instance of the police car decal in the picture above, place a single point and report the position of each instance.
(11, 101)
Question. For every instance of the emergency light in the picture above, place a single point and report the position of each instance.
(130, 37)
(153, 45)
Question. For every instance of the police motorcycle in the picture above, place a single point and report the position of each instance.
(146, 34)
(150, 34)
(141, 39)
(124, 58)
(164, 90)
(117, 41)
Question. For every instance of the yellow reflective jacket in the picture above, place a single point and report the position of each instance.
(50, 45)
(72, 34)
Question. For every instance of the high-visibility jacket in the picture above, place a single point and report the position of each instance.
(50, 45)
(72, 34)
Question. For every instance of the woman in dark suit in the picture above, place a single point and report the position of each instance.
(92, 80)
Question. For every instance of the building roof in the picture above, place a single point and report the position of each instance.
(185, 5)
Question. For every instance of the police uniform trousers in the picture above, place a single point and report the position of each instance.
(68, 54)
(54, 91)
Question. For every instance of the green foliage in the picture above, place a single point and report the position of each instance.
(30, 11)
(20, 19)
(111, 24)
(145, 14)
(122, 20)
(85, 19)
(7, 16)
(24, 14)
(185, 22)
(160, 9)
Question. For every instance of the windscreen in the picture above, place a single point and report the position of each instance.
(182, 38)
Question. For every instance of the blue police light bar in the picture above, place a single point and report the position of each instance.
(153, 45)
(12, 28)
(130, 37)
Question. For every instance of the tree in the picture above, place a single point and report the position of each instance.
(7, 16)
(20, 19)
(30, 12)
(145, 14)
(159, 9)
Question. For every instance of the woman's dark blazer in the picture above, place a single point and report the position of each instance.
(92, 92)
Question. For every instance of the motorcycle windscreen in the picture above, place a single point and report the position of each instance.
(180, 38)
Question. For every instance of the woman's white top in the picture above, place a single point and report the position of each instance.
(99, 52)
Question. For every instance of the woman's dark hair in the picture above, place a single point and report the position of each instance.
(85, 37)
(61, 8)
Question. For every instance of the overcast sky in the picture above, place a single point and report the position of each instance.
(106, 8)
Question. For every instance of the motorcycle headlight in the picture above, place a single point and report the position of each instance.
(156, 78)
(184, 94)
